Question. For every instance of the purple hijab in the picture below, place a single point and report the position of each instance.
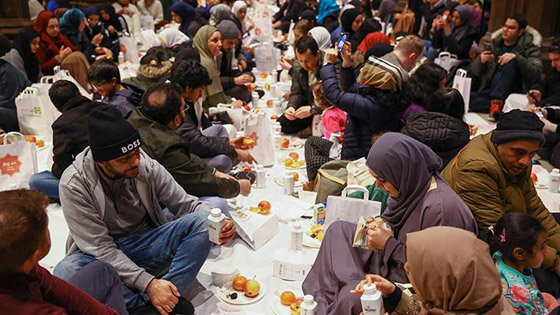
(409, 166)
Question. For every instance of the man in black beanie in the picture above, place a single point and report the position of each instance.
(113, 197)
(492, 174)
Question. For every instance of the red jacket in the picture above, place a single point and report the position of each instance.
(39, 292)
(49, 47)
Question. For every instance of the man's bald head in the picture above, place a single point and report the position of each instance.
(162, 102)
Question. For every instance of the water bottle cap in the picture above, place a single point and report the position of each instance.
(296, 226)
(555, 171)
(308, 299)
(216, 212)
(370, 288)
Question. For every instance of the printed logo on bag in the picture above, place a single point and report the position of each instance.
(37, 110)
(9, 165)
(131, 146)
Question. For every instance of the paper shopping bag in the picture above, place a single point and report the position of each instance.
(17, 163)
(447, 61)
(463, 83)
(35, 112)
(60, 74)
(350, 209)
(266, 57)
(131, 54)
(258, 128)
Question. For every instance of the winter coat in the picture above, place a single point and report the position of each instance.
(125, 100)
(460, 48)
(110, 42)
(527, 55)
(550, 89)
(70, 132)
(173, 152)
(227, 74)
(300, 92)
(367, 110)
(478, 176)
(444, 134)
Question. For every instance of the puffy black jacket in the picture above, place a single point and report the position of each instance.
(444, 134)
(70, 132)
(368, 110)
(550, 89)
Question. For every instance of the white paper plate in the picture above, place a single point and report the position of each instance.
(310, 242)
(241, 298)
(281, 161)
(280, 309)
(295, 144)
(280, 182)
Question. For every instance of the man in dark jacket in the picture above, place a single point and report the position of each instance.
(511, 65)
(298, 115)
(12, 82)
(105, 78)
(70, 134)
(231, 76)
(163, 111)
(211, 143)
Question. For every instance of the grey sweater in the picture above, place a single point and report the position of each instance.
(84, 206)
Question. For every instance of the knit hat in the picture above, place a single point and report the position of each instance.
(518, 125)
(110, 135)
(228, 29)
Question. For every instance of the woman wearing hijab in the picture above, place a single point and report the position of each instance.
(451, 273)
(418, 199)
(289, 12)
(201, 18)
(54, 47)
(458, 38)
(208, 42)
(23, 55)
(239, 9)
(183, 14)
(327, 14)
(173, 39)
(94, 27)
(219, 13)
(72, 25)
(322, 36)
(358, 57)
(113, 22)
(350, 21)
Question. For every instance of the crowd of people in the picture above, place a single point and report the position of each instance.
(137, 167)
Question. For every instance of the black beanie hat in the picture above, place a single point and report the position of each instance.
(110, 135)
(518, 125)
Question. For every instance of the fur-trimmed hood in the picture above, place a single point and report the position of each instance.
(529, 31)
(153, 71)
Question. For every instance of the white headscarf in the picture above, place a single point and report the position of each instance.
(172, 37)
(238, 5)
(322, 36)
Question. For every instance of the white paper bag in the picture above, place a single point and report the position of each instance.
(463, 83)
(17, 163)
(131, 54)
(65, 75)
(350, 209)
(266, 57)
(35, 112)
(447, 61)
(255, 229)
(147, 22)
(257, 125)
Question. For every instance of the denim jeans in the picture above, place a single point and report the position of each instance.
(46, 183)
(221, 162)
(174, 251)
(216, 202)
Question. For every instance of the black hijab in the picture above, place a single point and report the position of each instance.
(5, 45)
(22, 43)
(113, 18)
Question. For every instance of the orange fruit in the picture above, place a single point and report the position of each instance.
(30, 139)
(287, 298)
(239, 283)
(296, 176)
(288, 162)
(40, 143)
(294, 156)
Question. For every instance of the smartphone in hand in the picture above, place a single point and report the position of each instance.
(341, 41)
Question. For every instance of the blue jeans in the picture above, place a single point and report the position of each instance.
(174, 251)
(429, 52)
(46, 183)
(221, 162)
(216, 202)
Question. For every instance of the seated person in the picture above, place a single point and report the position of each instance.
(182, 14)
(512, 65)
(305, 73)
(208, 42)
(492, 174)
(154, 65)
(551, 149)
(207, 141)
(113, 197)
(234, 81)
(152, 8)
(457, 35)
(301, 28)
(174, 40)
(23, 55)
(54, 46)
(70, 134)
(449, 285)
(105, 78)
(288, 13)
(376, 101)
(419, 199)
(28, 288)
(130, 14)
(441, 127)
(12, 83)
(73, 24)
(163, 111)
(96, 30)
(519, 246)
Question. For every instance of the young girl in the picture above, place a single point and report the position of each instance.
(520, 241)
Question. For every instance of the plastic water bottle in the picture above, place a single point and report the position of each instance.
(309, 306)
(261, 177)
(372, 302)
(216, 221)
(121, 58)
(297, 237)
(554, 181)
(288, 184)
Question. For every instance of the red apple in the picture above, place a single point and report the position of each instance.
(239, 283)
(534, 178)
(285, 143)
(252, 288)
(264, 207)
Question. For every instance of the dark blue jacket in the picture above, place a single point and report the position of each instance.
(368, 110)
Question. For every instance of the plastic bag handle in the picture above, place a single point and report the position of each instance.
(462, 73)
(355, 188)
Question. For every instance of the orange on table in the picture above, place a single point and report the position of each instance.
(294, 156)
(40, 143)
(296, 176)
(30, 138)
(288, 162)
(287, 298)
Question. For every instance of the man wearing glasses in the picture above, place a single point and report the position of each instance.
(511, 64)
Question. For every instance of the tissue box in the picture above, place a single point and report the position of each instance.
(255, 229)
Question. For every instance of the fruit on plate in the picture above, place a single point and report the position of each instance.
(252, 288)
(266, 87)
(287, 298)
(288, 162)
(247, 169)
(294, 156)
(296, 176)
(270, 103)
(316, 232)
(40, 143)
(534, 178)
(264, 206)
(247, 107)
(239, 283)
(295, 308)
(285, 143)
(248, 142)
(264, 75)
(30, 139)
(274, 117)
